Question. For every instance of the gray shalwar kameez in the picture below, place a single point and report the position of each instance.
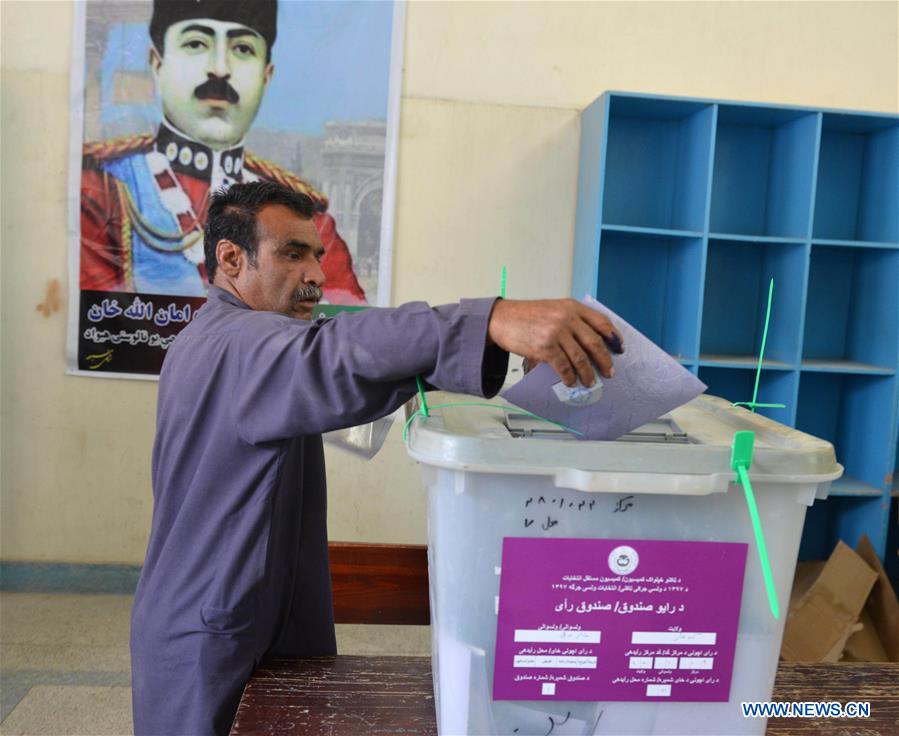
(237, 563)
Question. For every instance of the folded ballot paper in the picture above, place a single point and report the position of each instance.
(647, 384)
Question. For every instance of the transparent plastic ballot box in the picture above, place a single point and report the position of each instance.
(480, 463)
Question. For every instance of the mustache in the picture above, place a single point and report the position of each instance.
(217, 88)
(308, 294)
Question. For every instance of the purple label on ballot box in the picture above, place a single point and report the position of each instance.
(617, 619)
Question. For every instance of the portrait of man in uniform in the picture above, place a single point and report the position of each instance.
(144, 197)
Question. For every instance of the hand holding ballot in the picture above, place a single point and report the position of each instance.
(647, 384)
(563, 333)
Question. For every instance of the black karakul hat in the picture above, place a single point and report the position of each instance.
(260, 15)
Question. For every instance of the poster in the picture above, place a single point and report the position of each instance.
(172, 100)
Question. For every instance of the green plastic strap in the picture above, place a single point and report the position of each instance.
(758, 370)
(422, 400)
(741, 459)
(756, 404)
(502, 283)
(760, 542)
(408, 422)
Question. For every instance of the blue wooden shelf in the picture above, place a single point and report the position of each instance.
(845, 366)
(849, 486)
(742, 361)
(856, 243)
(686, 208)
(755, 238)
(650, 232)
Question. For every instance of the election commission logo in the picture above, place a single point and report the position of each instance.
(623, 560)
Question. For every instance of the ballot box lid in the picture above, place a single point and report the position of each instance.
(685, 451)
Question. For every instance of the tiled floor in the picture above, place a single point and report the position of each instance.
(64, 665)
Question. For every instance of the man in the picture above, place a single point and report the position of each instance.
(144, 198)
(237, 563)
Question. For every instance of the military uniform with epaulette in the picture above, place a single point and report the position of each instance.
(143, 209)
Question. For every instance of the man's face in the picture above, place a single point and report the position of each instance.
(211, 77)
(287, 277)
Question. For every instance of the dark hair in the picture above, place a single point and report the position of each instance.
(232, 216)
(260, 15)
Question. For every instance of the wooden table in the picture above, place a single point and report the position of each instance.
(352, 696)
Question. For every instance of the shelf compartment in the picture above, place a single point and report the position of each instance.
(858, 179)
(763, 171)
(736, 384)
(851, 412)
(652, 282)
(657, 163)
(843, 518)
(852, 311)
(737, 276)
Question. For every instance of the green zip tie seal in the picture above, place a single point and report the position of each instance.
(753, 405)
(740, 460)
(422, 400)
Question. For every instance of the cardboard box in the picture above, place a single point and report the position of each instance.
(880, 617)
(842, 609)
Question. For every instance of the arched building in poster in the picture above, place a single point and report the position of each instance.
(352, 159)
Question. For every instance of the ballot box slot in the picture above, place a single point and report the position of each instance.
(663, 430)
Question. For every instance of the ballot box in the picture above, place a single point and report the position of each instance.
(585, 587)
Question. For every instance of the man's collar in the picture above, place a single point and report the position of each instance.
(187, 156)
(218, 294)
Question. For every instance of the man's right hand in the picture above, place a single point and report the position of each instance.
(562, 332)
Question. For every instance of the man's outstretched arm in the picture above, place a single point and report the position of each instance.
(300, 378)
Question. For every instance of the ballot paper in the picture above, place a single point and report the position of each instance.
(647, 384)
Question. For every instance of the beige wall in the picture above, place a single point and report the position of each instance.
(487, 176)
